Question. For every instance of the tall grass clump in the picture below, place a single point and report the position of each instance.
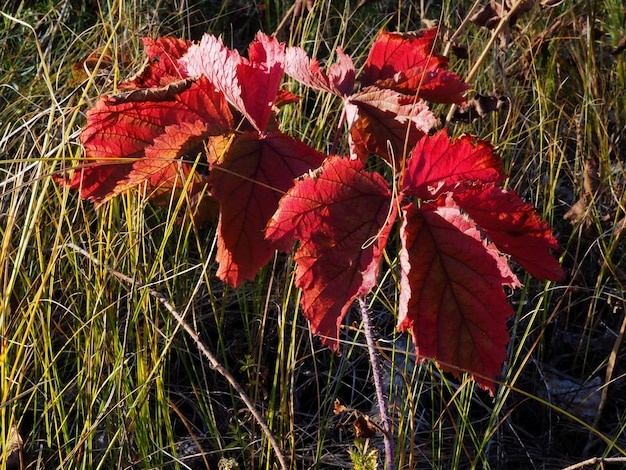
(119, 348)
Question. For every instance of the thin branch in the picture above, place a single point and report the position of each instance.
(595, 461)
(213, 362)
(378, 384)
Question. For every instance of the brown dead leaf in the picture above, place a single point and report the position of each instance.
(491, 14)
(478, 107)
(165, 93)
(14, 459)
(460, 50)
(591, 190)
(100, 60)
(364, 428)
(621, 46)
(591, 177)
(338, 408)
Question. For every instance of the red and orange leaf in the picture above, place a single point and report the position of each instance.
(385, 123)
(161, 66)
(515, 228)
(406, 63)
(437, 164)
(250, 85)
(451, 296)
(168, 162)
(248, 182)
(339, 80)
(342, 216)
(119, 130)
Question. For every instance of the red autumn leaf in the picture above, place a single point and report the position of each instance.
(340, 77)
(451, 292)
(120, 128)
(342, 216)
(437, 164)
(168, 162)
(250, 85)
(285, 97)
(248, 182)
(396, 52)
(514, 227)
(161, 67)
(385, 123)
(406, 63)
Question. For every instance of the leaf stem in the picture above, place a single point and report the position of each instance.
(338, 132)
(378, 384)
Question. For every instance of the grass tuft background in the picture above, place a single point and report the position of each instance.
(96, 374)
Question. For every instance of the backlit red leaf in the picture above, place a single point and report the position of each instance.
(340, 77)
(385, 123)
(515, 227)
(248, 182)
(406, 63)
(451, 297)
(396, 52)
(161, 66)
(437, 164)
(342, 216)
(118, 131)
(250, 85)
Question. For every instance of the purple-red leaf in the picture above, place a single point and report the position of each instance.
(342, 216)
(437, 164)
(250, 85)
(515, 227)
(385, 123)
(248, 182)
(340, 77)
(451, 297)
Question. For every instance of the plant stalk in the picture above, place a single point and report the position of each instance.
(381, 398)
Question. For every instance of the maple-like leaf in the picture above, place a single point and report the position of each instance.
(250, 85)
(161, 67)
(120, 128)
(451, 297)
(249, 181)
(437, 164)
(342, 216)
(385, 123)
(407, 63)
(515, 228)
(339, 79)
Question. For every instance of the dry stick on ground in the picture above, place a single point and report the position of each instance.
(215, 364)
(378, 384)
(595, 461)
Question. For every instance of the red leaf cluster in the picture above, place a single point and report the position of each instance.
(389, 115)
(457, 227)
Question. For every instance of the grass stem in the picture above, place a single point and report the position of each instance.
(215, 364)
